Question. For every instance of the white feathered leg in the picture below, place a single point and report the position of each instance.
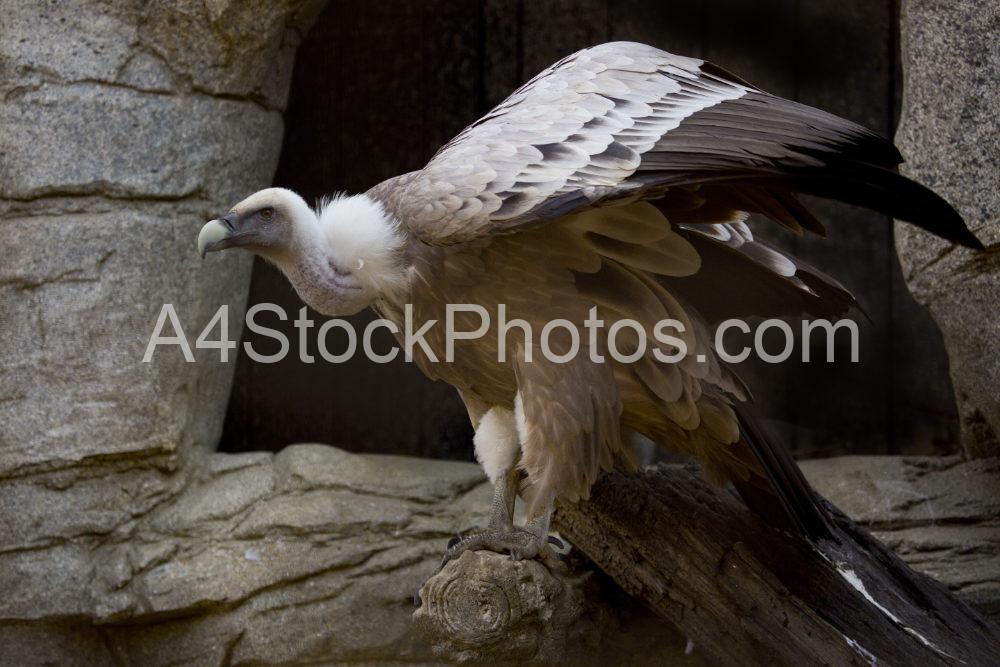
(497, 449)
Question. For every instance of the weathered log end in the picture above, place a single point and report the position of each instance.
(486, 608)
(486, 605)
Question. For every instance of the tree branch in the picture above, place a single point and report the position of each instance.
(746, 593)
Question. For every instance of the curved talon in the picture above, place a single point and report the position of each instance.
(527, 552)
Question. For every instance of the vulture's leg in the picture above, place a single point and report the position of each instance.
(498, 449)
(538, 528)
(500, 534)
(504, 495)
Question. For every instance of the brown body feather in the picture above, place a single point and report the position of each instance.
(610, 259)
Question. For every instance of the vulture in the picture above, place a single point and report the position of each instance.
(616, 183)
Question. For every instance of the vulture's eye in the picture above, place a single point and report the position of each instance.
(266, 214)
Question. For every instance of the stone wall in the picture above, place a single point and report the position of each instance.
(950, 137)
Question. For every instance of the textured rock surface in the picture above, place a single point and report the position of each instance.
(314, 554)
(126, 125)
(950, 137)
(309, 555)
(306, 555)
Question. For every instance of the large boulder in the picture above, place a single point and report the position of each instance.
(125, 126)
(950, 137)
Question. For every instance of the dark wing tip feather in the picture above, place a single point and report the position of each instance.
(888, 192)
(713, 70)
(759, 140)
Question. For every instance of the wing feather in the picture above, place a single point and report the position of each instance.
(628, 121)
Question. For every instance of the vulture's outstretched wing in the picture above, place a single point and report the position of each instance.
(628, 121)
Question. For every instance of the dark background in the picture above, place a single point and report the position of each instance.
(379, 86)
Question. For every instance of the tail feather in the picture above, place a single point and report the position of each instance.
(798, 505)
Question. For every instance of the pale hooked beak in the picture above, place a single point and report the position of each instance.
(214, 236)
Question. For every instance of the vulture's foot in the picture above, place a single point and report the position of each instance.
(520, 543)
(502, 536)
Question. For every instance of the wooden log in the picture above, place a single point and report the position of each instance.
(940, 514)
(748, 594)
(485, 608)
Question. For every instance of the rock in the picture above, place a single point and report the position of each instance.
(87, 290)
(126, 127)
(224, 48)
(950, 136)
(323, 544)
(194, 162)
(310, 555)
(65, 643)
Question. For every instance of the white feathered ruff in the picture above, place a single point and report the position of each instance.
(365, 240)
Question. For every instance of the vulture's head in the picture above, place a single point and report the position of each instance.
(340, 258)
(264, 223)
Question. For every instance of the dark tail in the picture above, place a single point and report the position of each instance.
(794, 504)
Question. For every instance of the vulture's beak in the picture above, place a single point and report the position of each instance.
(215, 235)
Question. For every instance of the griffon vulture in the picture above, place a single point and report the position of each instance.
(620, 179)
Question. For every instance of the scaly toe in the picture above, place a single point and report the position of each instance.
(519, 543)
